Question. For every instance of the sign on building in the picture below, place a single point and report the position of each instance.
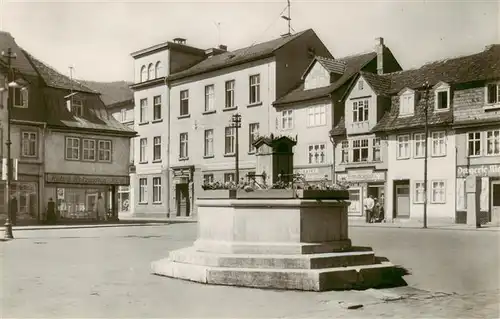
(13, 167)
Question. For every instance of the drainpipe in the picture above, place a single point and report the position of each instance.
(41, 179)
(167, 104)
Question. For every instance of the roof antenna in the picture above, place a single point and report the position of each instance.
(288, 18)
(69, 97)
(217, 25)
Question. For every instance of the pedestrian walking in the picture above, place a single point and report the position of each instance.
(101, 209)
(369, 203)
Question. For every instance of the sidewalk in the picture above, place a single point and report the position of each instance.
(416, 224)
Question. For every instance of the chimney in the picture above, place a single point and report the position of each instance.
(180, 41)
(379, 49)
(213, 51)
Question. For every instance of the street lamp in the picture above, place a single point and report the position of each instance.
(426, 133)
(332, 139)
(236, 124)
(11, 84)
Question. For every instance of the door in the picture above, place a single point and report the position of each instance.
(91, 203)
(495, 202)
(402, 201)
(182, 195)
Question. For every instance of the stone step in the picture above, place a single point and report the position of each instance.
(341, 278)
(269, 261)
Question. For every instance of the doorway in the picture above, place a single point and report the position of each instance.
(402, 199)
(182, 196)
(91, 203)
(495, 202)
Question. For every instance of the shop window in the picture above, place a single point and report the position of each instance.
(124, 199)
(355, 199)
(80, 203)
(461, 195)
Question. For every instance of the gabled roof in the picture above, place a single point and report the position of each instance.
(54, 79)
(227, 59)
(331, 65)
(21, 64)
(353, 64)
(379, 84)
(112, 92)
(480, 66)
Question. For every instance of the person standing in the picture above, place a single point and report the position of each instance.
(101, 209)
(51, 211)
(369, 204)
(13, 210)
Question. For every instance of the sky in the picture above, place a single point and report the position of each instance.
(97, 37)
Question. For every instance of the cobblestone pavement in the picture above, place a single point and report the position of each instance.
(104, 273)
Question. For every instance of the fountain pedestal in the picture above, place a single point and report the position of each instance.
(276, 243)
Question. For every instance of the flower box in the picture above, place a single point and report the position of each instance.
(322, 194)
(267, 193)
(218, 194)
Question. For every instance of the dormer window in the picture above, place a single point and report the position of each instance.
(360, 111)
(493, 94)
(21, 97)
(442, 97)
(407, 103)
(77, 107)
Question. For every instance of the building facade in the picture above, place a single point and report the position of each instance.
(150, 172)
(68, 148)
(204, 98)
(477, 126)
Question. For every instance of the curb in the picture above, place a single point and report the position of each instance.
(83, 226)
(456, 228)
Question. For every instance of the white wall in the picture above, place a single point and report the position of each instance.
(355, 95)
(317, 77)
(162, 56)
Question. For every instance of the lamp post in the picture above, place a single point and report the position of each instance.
(332, 139)
(236, 124)
(11, 84)
(426, 133)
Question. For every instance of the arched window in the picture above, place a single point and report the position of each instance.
(158, 69)
(151, 72)
(144, 74)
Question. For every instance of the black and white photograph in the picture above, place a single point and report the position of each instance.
(249, 159)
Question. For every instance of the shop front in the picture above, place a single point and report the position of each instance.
(490, 192)
(77, 196)
(363, 183)
(24, 194)
(315, 174)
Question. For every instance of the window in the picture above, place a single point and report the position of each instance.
(407, 104)
(208, 178)
(493, 142)
(143, 145)
(143, 190)
(157, 148)
(20, 97)
(474, 144)
(228, 177)
(104, 149)
(144, 73)
(229, 141)
(493, 93)
(316, 154)
(143, 110)
(316, 115)
(254, 89)
(360, 84)
(184, 103)
(89, 149)
(438, 191)
(158, 69)
(403, 147)
(419, 139)
(183, 145)
(77, 107)
(209, 98)
(438, 143)
(376, 156)
(253, 134)
(29, 144)
(209, 143)
(156, 190)
(360, 150)
(229, 94)
(419, 193)
(157, 107)
(345, 152)
(442, 100)
(151, 72)
(360, 111)
(123, 115)
(286, 119)
(72, 148)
